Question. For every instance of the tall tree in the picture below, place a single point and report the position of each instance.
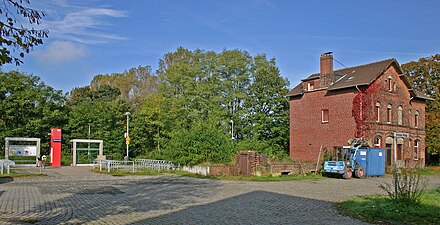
(268, 109)
(200, 87)
(103, 109)
(425, 76)
(134, 84)
(29, 108)
(14, 36)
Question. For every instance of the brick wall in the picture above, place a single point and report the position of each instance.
(308, 132)
(217, 170)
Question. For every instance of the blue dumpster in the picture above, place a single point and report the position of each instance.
(372, 160)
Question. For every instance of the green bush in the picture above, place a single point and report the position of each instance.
(203, 142)
(407, 188)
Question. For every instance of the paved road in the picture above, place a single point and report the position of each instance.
(74, 195)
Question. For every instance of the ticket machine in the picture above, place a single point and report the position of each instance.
(55, 147)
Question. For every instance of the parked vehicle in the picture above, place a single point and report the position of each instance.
(358, 161)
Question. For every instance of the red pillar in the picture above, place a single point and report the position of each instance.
(55, 147)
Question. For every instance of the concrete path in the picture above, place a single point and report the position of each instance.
(75, 195)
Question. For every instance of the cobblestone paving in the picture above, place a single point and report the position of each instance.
(77, 196)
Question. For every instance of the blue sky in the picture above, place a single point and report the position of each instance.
(90, 37)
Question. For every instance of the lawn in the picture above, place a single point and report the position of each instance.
(221, 177)
(380, 209)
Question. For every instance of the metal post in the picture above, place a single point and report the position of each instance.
(88, 144)
(128, 136)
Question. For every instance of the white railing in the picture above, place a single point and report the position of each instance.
(5, 165)
(150, 164)
(154, 164)
(110, 165)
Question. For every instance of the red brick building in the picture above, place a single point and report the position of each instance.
(371, 101)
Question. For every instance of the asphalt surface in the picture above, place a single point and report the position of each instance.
(75, 195)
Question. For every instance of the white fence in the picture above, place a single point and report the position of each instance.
(158, 165)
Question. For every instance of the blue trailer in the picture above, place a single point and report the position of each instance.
(357, 160)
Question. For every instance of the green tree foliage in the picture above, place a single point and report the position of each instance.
(14, 36)
(29, 108)
(425, 76)
(268, 109)
(204, 142)
(134, 84)
(103, 109)
(200, 86)
(182, 113)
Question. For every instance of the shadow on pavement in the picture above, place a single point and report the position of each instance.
(257, 207)
(174, 200)
(6, 179)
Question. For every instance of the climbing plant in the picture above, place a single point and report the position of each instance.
(362, 106)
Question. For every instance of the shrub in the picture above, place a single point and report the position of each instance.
(407, 188)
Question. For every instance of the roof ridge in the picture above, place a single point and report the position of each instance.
(367, 64)
(362, 65)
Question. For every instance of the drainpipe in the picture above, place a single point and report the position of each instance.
(360, 105)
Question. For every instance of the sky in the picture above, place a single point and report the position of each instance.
(91, 37)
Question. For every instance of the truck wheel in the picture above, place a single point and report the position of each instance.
(360, 173)
(347, 174)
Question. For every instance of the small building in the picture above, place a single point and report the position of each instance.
(371, 101)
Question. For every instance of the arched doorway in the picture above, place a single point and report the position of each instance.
(389, 150)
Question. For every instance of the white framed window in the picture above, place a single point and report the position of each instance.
(324, 116)
(416, 150)
(416, 119)
(399, 115)
(311, 86)
(377, 142)
(389, 113)
(378, 112)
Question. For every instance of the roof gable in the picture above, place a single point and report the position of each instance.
(361, 75)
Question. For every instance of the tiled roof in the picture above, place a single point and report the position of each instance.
(352, 76)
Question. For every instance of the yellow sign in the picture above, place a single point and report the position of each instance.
(127, 140)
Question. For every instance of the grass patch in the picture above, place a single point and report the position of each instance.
(14, 175)
(142, 172)
(381, 209)
(221, 177)
(427, 171)
(271, 178)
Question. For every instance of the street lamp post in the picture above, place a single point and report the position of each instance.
(232, 130)
(127, 137)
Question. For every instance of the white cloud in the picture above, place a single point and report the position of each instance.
(59, 52)
(87, 26)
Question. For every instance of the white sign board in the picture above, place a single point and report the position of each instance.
(401, 135)
(22, 150)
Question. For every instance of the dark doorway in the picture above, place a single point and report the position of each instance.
(243, 165)
(388, 148)
(399, 151)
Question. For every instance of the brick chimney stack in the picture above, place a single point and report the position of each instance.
(326, 67)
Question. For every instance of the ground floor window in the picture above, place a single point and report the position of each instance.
(416, 150)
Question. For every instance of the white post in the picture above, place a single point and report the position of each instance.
(232, 130)
(74, 153)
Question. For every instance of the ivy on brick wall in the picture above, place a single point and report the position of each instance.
(362, 108)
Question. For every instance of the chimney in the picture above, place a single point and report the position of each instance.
(326, 67)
